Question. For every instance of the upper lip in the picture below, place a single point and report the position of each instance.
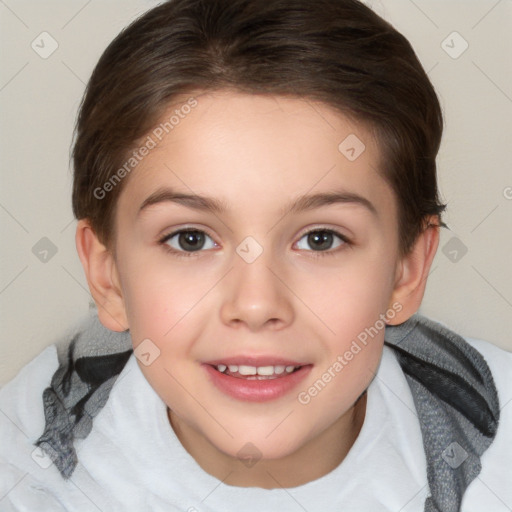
(247, 360)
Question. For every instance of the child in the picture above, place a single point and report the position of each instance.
(255, 188)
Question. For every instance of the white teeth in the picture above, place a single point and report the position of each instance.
(246, 370)
(265, 370)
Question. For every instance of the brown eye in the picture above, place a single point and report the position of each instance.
(188, 240)
(322, 240)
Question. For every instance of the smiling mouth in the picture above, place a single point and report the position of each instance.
(261, 381)
(256, 372)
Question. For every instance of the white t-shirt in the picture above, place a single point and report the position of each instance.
(133, 461)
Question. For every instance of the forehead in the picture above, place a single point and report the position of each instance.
(257, 150)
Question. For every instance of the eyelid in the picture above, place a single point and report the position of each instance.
(174, 231)
(319, 227)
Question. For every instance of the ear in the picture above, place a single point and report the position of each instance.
(412, 272)
(102, 277)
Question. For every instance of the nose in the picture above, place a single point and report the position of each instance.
(256, 295)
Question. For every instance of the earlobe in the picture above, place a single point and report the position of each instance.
(101, 273)
(412, 273)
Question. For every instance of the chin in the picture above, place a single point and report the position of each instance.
(260, 444)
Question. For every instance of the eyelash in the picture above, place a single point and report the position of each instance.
(190, 254)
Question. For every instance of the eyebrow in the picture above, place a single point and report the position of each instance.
(301, 204)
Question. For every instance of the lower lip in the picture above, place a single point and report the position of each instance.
(256, 390)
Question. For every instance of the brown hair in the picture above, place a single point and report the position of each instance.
(336, 51)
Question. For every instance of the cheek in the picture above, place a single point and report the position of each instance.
(350, 298)
(350, 362)
(157, 297)
(351, 309)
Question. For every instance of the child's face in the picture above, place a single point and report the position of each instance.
(292, 303)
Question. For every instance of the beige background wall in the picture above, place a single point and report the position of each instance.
(42, 294)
